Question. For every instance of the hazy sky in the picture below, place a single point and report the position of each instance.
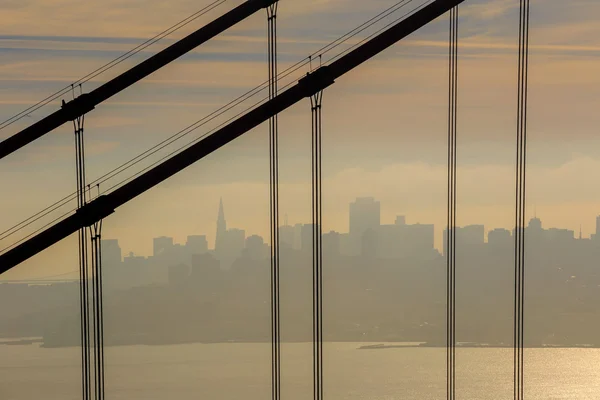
(384, 123)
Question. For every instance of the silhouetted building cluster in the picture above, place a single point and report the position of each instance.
(382, 282)
(367, 238)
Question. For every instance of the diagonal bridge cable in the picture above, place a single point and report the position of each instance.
(324, 50)
(210, 117)
(310, 84)
(111, 64)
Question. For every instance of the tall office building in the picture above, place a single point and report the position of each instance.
(402, 240)
(286, 236)
(331, 244)
(467, 237)
(221, 227)
(162, 245)
(297, 237)
(500, 239)
(196, 244)
(111, 253)
(306, 238)
(535, 224)
(365, 214)
(229, 243)
(256, 248)
(595, 237)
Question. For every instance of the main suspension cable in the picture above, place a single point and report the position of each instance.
(100, 70)
(222, 110)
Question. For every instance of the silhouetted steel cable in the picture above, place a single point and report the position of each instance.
(317, 216)
(361, 28)
(451, 221)
(370, 36)
(129, 178)
(167, 32)
(284, 74)
(320, 79)
(56, 95)
(184, 132)
(87, 102)
(153, 150)
(101, 309)
(274, 205)
(78, 129)
(520, 200)
(60, 217)
(95, 232)
(133, 161)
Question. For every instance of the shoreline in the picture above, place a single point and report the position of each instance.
(361, 345)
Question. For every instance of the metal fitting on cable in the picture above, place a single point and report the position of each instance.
(95, 210)
(78, 107)
(264, 3)
(316, 81)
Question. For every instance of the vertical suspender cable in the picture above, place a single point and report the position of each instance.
(101, 308)
(317, 259)
(96, 240)
(94, 315)
(274, 207)
(78, 124)
(91, 335)
(451, 204)
(520, 200)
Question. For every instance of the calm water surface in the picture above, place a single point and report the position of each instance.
(242, 371)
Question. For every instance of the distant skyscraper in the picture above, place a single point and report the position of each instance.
(221, 227)
(535, 224)
(178, 275)
(229, 243)
(111, 253)
(345, 245)
(595, 237)
(471, 234)
(256, 248)
(331, 244)
(465, 237)
(500, 239)
(286, 236)
(196, 244)
(162, 245)
(562, 236)
(203, 264)
(402, 240)
(306, 238)
(234, 242)
(298, 236)
(132, 261)
(365, 214)
(205, 272)
(369, 243)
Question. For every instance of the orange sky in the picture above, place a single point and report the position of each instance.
(384, 124)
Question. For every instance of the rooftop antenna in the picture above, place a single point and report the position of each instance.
(286, 220)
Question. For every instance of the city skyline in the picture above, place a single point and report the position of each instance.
(171, 287)
(400, 120)
(296, 230)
